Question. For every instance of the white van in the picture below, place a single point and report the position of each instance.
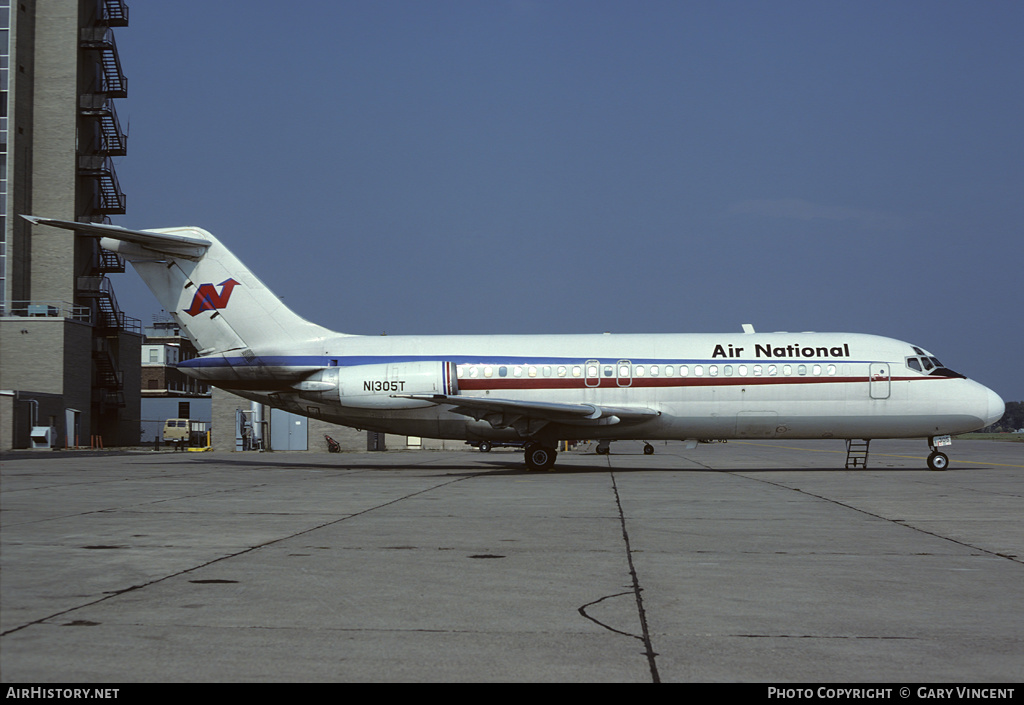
(176, 430)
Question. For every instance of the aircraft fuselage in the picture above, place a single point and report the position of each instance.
(773, 385)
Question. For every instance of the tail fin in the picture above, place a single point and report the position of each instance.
(218, 302)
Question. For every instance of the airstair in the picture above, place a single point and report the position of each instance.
(857, 453)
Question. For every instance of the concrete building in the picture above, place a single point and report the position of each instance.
(69, 357)
(164, 347)
(166, 391)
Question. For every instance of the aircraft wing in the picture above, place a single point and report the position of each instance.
(529, 416)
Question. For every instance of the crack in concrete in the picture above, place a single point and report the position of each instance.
(637, 590)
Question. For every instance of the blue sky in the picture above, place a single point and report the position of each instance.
(539, 167)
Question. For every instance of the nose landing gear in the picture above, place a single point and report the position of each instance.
(938, 460)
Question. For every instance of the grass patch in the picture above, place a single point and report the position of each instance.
(1005, 437)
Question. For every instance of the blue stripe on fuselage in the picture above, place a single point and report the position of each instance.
(332, 360)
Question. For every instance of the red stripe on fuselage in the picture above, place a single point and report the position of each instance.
(470, 384)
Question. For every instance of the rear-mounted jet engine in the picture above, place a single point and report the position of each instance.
(374, 386)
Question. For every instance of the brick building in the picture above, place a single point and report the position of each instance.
(69, 358)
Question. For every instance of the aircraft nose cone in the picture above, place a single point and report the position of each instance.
(996, 407)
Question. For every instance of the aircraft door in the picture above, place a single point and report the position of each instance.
(592, 373)
(624, 376)
(878, 380)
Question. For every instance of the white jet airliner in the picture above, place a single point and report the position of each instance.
(543, 389)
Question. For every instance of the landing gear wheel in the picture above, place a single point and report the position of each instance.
(603, 448)
(540, 457)
(938, 461)
(648, 449)
(485, 446)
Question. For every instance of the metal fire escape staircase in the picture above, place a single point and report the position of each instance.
(113, 143)
(109, 321)
(101, 139)
(115, 13)
(101, 39)
(100, 106)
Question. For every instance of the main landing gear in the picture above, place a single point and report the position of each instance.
(539, 456)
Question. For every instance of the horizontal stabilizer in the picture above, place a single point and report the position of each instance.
(170, 242)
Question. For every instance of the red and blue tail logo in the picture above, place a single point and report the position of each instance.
(207, 298)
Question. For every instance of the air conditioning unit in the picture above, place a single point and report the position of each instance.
(42, 436)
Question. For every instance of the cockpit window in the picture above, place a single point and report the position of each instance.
(930, 365)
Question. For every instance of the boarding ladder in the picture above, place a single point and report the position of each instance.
(857, 453)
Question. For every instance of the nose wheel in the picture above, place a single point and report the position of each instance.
(938, 460)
